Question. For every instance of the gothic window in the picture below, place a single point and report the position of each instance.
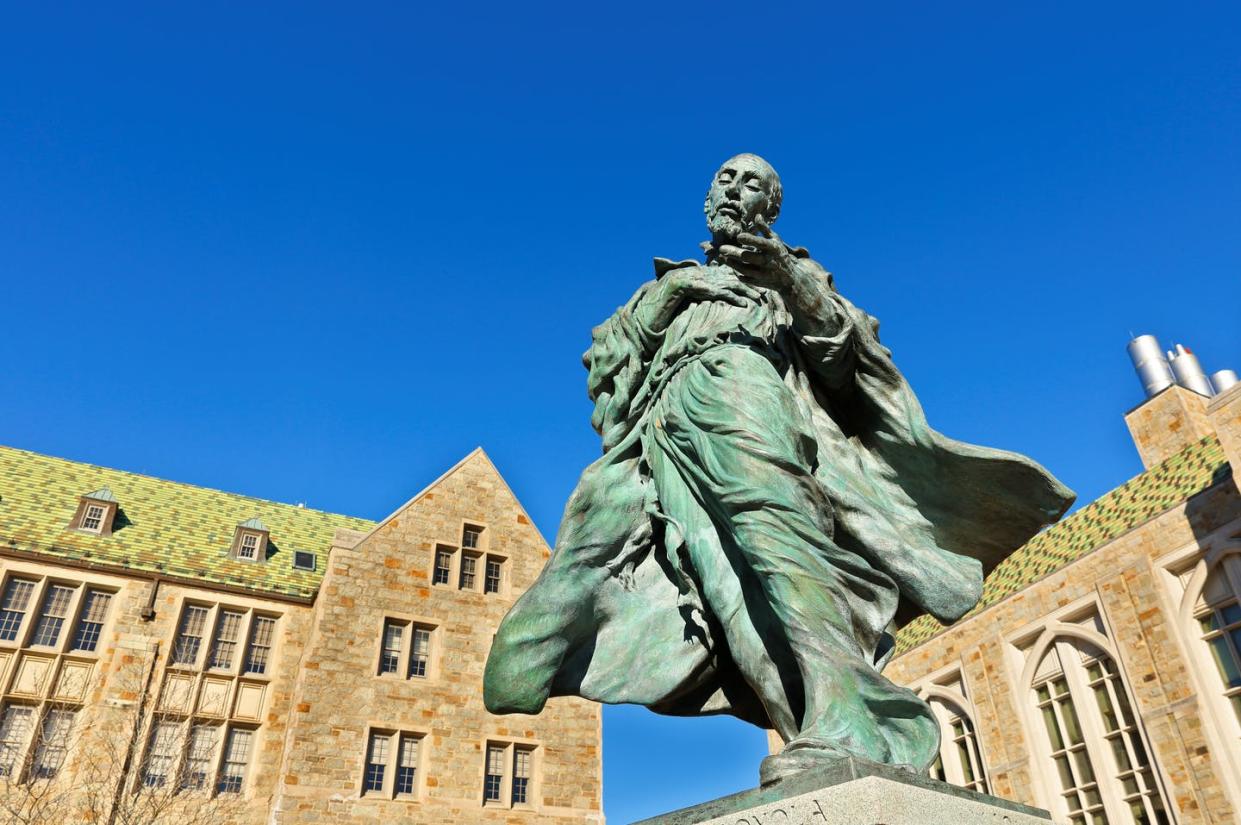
(1218, 617)
(960, 759)
(1098, 758)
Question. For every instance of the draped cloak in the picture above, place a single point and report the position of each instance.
(619, 615)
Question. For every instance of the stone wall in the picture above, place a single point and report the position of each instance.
(339, 696)
(1131, 581)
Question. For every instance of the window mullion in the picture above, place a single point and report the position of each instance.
(34, 609)
(1088, 717)
(69, 626)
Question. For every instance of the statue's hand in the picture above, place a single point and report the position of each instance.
(693, 284)
(765, 261)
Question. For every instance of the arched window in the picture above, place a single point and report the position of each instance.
(1099, 764)
(1217, 612)
(960, 760)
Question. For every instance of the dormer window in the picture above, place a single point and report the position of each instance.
(96, 513)
(303, 560)
(250, 541)
(249, 549)
(93, 518)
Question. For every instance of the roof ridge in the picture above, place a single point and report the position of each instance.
(160, 479)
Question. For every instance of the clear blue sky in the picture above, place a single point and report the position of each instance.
(319, 252)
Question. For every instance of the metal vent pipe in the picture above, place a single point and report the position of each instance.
(1153, 369)
(1224, 380)
(1189, 372)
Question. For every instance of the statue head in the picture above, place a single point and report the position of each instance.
(744, 188)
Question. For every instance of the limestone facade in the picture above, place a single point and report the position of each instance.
(1105, 685)
(141, 682)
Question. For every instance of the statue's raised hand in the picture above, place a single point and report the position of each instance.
(689, 285)
(761, 259)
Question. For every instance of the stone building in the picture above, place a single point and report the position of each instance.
(1100, 676)
(173, 653)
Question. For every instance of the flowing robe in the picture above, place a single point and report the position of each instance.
(769, 505)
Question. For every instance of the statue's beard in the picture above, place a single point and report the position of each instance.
(725, 227)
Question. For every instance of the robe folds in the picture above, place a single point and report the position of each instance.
(770, 504)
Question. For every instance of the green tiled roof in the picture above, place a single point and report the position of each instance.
(161, 526)
(1133, 503)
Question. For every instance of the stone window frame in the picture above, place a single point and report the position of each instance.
(72, 620)
(936, 690)
(211, 626)
(185, 725)
(397, 735)
(510, 745)
(409, 622)
(453, 577)
(1185, 575)
(63, 653)
(1082, 622)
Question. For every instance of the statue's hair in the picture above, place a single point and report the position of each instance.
(777, 189)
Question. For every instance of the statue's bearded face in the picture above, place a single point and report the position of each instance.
(744, 188)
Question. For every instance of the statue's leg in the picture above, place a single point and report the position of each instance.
(746, 450)
(723, 587)
(535, 647)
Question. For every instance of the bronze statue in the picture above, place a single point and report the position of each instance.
(769, 507)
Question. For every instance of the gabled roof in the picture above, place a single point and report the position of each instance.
(102, 494)
(1137, 501)
(162, 527)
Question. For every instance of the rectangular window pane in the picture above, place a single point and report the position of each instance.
(52, 617)
(491, 583)
(249, 548)
(521, 775)
(421, 652)
(200, 757)
(407, 766)
(13, 608)
(227, 633)
(390, 655)
(262, 632)
(15, 729)
(161, 754)
(495, 774)
(470, 536)
(468, 569)
(190, 636)
(443, 566)
(376, 762)
(236, 758)
(53, 743)
(93, 517)
(90, 624)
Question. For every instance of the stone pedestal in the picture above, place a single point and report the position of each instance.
(854, 792)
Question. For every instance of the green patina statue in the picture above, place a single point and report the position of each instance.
(769, 507)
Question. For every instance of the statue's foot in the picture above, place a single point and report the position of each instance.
(807, 754)
(797, 756)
